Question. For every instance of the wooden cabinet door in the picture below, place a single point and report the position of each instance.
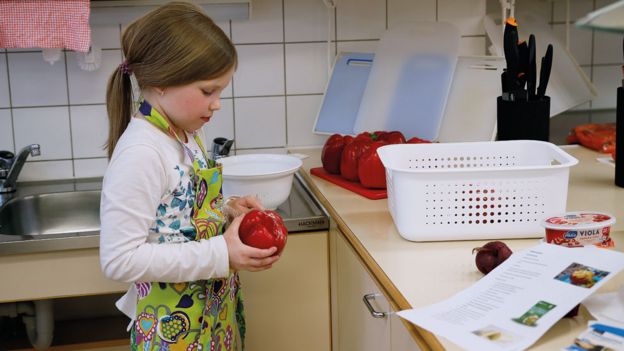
(287, 306)
(400, 337)
(357, 329)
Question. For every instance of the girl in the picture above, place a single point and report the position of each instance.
(162, 212)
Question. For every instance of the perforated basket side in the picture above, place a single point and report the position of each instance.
(429, 207)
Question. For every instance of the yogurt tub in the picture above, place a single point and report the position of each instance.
(577, 229)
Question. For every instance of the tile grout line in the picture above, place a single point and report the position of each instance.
(6, 58)
(284, 68)
(71, 137)
(233, 98)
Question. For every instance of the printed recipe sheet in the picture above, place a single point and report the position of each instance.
(515, 304)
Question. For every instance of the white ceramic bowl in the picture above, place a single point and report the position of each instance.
(267, 176)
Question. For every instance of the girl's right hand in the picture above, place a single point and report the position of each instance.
(243, 257)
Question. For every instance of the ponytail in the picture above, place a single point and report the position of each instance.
(118, 106)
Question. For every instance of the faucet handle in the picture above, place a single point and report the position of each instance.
(6, 160)
(35, 150)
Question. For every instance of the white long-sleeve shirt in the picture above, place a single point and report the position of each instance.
(147, 197)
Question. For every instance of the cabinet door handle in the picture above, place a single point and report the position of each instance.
(376, 314)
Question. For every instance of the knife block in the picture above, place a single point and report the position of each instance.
(619, 139)
(523, 120)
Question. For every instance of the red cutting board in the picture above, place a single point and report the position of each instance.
(373, 194)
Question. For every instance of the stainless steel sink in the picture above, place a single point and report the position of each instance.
(50, 216)
(57, 213)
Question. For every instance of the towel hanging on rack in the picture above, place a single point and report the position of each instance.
(45, 24)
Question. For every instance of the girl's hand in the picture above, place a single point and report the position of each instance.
(237, 206)
(243, 257)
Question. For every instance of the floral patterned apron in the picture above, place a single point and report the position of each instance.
(199, 315)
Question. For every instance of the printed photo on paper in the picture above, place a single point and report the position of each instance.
(537, 311)
(496, 335)
(580, 275)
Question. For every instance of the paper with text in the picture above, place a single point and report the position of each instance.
(515, 304)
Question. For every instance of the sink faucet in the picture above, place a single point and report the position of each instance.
(221, 147)
(8, 179)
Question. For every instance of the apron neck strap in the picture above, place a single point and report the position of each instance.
(158, 120)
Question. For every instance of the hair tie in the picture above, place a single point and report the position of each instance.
(125, 68)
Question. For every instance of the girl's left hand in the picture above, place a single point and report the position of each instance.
(240, 205)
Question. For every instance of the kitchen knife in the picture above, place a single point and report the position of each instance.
(510, 46)
(545, 71)
(523, 64)
(531, 70)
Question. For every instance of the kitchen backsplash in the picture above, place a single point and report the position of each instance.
(275, 94)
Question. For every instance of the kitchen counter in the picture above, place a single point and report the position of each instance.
(402, 267)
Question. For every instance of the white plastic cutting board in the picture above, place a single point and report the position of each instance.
(410, 79)
(470, 113)
(343, 94)
(568, 85)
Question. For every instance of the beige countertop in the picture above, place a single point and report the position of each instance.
(416, 274)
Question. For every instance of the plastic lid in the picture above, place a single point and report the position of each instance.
(579, 220)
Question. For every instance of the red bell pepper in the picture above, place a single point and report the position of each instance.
(332, 152)
(350, 158)
(366, 136)
(371, 170)
(394, 137)
(263, 229)
(416, 140)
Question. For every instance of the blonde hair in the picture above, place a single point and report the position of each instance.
(173, 45)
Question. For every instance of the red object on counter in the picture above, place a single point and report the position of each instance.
(416, 140)
(351, 157)
(373, 194)
(263, 230)
(394, 137)
(332, 152)
(371, 170)
(599, 137)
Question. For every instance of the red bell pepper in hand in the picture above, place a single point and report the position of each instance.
(394, 137)
(350, 158)
(263, 230)
(371, 170)
(366, 136)
(332, 152)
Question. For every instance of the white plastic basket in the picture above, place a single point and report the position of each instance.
(476, 190)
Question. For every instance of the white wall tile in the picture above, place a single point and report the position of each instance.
(251, 113)
(607, 48)
(46, 170)
(35, 82)
(264, 26)
(580, 42)
(360, 19)
(106, 36)
(306, 68)
(307, 20)
(260, 70)
(46, 126)
(472, 46)
(221, 124)
(467, 15)
(578, 9)
(606, 79)
(410, 10)
(358, 46)
(89, 87)
(6, 130)
(301, 112)
(90, 168)
(89, 128)
(4, 82)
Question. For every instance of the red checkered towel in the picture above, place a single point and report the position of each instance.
(45, 24)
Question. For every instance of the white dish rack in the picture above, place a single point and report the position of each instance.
(475, 190)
